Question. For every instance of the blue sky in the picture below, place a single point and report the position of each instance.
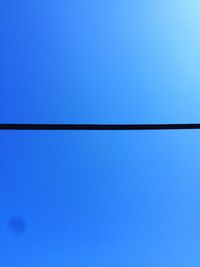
(100, 199)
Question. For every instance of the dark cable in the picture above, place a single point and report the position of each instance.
(99, 127)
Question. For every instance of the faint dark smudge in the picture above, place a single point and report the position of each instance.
(16, 225)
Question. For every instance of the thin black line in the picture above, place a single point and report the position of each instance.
(99, 127)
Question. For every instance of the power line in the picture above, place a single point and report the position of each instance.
(98, 127)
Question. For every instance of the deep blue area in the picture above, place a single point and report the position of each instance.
(111, 199)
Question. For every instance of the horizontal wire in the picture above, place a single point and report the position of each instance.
(99, 127)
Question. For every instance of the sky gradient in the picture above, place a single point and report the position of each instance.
(112, 199)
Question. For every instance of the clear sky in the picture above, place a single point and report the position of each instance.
(107, 199)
